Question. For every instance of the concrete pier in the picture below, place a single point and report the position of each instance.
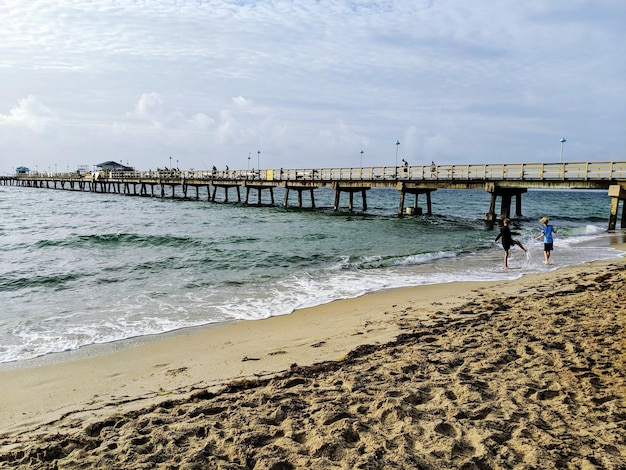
(505, 181)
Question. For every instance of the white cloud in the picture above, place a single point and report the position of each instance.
(455, 81)
(150, 107)
(241, 101)
(30, 113)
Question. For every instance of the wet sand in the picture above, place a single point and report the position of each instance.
(519, 374)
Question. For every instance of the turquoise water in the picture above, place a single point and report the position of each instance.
(83, 268)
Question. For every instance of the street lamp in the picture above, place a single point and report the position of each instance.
(249, 153)
(170, 162)
(258, 165)
(397, 145)
(361, 158)
(562, 142)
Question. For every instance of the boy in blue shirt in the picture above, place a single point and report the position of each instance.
(548, 242)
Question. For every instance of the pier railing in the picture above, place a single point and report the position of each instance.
(569, 171)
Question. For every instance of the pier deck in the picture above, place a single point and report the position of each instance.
(506, 181)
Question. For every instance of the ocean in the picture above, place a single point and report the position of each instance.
(80, 269)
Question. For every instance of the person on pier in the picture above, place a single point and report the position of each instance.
(507, 240)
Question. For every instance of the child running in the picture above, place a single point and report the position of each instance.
(507, 240)
(548, 241)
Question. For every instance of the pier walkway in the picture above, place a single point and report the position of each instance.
(505, 181)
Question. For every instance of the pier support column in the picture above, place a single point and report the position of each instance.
(286, 198)
(505, 205)
(258, 187)
(401, 205)
(351, 190)
(336, 203)
(405, 188)
(506, 196)
(300, 190)
(617, 193)
(518, 205)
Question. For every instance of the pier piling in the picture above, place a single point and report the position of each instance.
(617, 193)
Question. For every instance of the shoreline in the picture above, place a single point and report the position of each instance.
(162, 379)
(367, 307)
(615, 240)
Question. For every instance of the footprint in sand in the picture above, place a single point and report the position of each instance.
(276, 353)
(246, 358)
(446, 429)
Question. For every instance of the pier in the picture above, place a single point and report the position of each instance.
(506, 182)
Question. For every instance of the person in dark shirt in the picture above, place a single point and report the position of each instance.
(507, 240)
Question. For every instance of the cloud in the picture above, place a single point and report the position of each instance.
(149, 107)
(242, 102)
(30, 113)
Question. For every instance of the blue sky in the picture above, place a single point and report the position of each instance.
(310, 83)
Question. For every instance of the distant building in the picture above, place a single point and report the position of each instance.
(22, 170)
(114, 166)
(82, 170)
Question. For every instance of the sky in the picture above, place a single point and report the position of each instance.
(310, 83)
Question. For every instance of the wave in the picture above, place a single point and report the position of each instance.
(376, 262)
(52, 281)
(118, 239)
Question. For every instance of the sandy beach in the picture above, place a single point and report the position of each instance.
(524, 374)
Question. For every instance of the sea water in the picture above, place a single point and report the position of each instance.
(80, 268)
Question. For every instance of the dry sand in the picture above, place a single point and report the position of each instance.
(528, 374)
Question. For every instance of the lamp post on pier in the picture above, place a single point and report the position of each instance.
(170, 162)
(562, 142)
(249, 153)
(397, 145)
(362, 158)
(258, 156)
